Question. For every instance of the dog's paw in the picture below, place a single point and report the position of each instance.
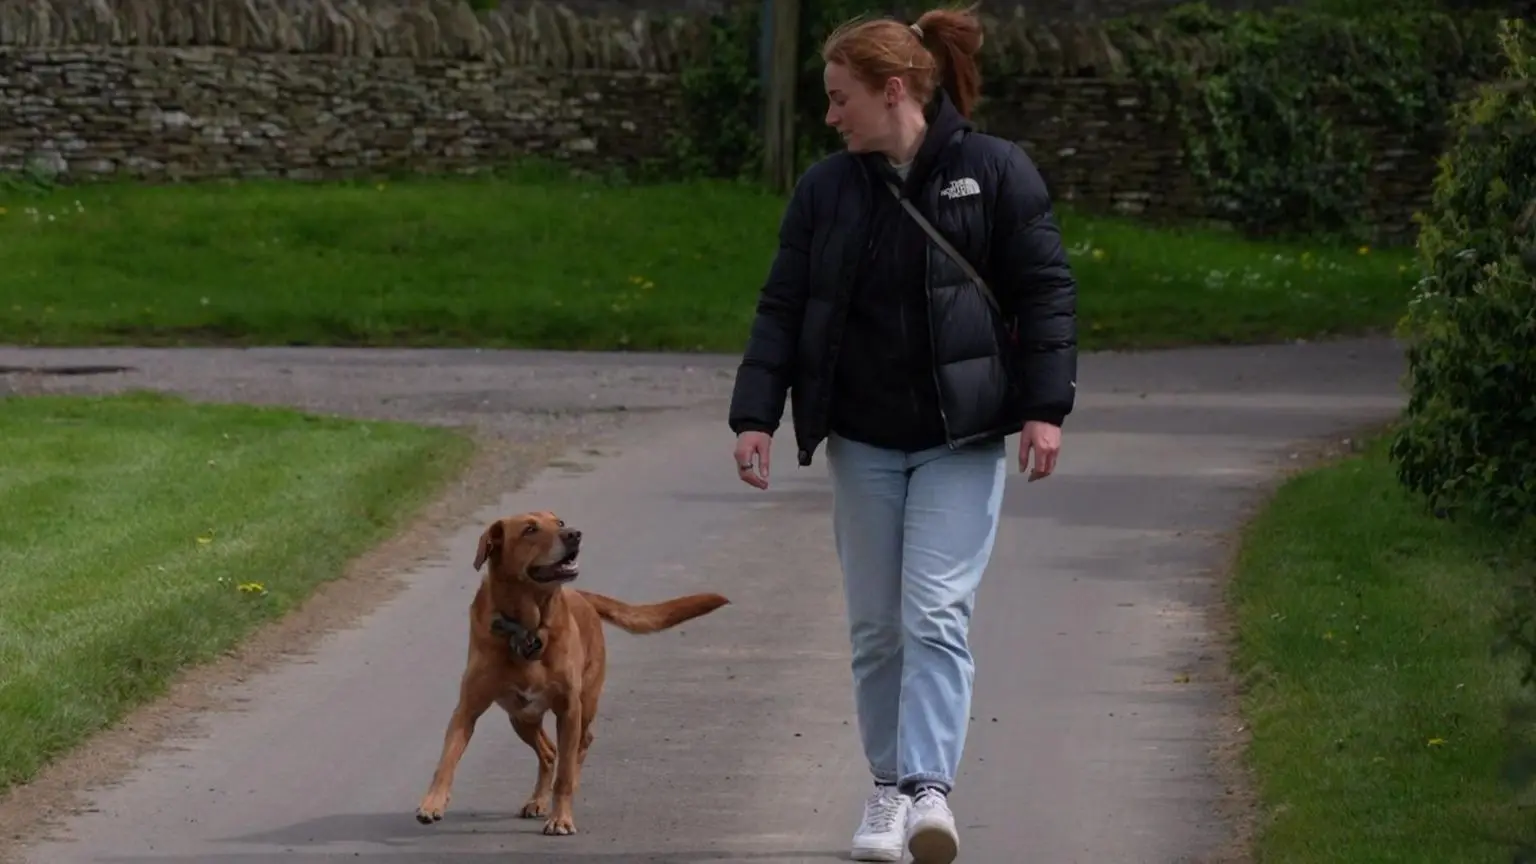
(535, 808)
(431, 810)
(560, 825)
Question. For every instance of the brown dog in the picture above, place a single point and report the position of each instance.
(537, 646)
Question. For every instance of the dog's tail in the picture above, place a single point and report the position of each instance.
(653, 617)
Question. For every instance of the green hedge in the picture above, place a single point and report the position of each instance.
(1468, 440)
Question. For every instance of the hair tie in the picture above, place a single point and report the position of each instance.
(918, 30)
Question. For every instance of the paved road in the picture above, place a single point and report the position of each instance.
(729, 739)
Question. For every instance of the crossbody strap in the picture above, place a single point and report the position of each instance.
(949, 250)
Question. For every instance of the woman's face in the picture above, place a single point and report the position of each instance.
(862, 116)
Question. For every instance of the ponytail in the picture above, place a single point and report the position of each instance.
(954, 38)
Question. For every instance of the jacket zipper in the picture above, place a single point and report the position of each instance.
(906, 330)
(839, 318)
(906, 351)
(933, 347)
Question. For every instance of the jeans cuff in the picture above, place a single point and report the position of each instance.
(884, 779)
(910, 782)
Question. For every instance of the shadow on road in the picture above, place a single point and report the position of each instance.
(405, 841)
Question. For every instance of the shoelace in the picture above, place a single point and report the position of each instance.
(882, 812)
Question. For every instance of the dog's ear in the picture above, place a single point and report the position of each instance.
(490, 541)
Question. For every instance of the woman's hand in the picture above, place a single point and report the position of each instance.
(752, 446)
(1042, 438)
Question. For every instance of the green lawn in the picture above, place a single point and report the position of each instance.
(1376, 709)
(530, 261)
(143, 533)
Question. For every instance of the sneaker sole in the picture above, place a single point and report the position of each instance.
(872, 853)
(932, 845)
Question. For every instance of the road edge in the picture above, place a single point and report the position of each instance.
(1240, 809)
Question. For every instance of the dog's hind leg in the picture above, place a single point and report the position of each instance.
(532, 733)
(474, 699)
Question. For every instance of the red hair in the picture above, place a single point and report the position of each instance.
(938, 50)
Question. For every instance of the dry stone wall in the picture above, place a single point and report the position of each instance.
(179, 89)
(176, 89)
(189, 113)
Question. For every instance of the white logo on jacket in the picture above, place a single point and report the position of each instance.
(962, 188)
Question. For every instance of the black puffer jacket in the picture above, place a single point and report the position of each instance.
(875, 334)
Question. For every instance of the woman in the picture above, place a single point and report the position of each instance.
(913, 377)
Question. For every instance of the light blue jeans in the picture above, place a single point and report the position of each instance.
(914, 532)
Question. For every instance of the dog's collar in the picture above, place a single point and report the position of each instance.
(525, 643)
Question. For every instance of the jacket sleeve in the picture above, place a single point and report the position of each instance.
(1036, 282)
(767, 365)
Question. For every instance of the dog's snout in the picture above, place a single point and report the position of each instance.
(570, 536)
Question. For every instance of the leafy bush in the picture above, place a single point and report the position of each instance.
(1468, 440)
(722, 100)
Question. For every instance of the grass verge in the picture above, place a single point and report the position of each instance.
(540, 261)
(1376, 710)
(144, 533)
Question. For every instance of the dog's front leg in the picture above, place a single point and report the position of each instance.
(532, 733)
(475, 698)
(567, 745)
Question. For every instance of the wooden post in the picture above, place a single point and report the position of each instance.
(781, 23)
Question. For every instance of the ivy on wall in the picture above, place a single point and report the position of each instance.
(1276, 108)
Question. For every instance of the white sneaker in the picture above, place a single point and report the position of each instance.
(880, 834)
(931, 834)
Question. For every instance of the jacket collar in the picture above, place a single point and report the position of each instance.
(944, 122)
